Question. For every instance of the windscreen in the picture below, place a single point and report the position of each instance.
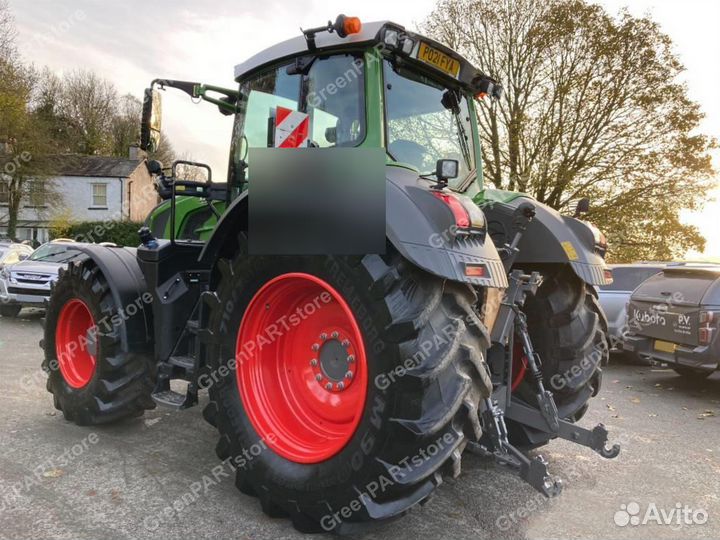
(55, 253)
(426, 122)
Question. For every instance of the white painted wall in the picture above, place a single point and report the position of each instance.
(71, 196)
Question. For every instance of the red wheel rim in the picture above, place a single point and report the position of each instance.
(520, 365)
(75, 343)
(301, 367)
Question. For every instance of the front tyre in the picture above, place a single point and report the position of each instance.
(343, 388)
(94, 379)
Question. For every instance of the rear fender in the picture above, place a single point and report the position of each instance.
(418, 225)
(551, 238)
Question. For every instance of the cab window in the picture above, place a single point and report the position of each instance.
(330, 94)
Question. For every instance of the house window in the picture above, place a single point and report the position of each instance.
(4, 192)
(37, 194)
(99, 195)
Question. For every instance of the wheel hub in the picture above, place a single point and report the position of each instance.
(333, 361)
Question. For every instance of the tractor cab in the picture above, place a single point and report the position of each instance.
(350, 85)
(354, 85)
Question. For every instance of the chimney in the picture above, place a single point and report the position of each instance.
(137, 154)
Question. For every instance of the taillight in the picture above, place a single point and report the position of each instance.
(461, 215)
(475, 270)
(706, 331)
(466, 213)
(705, 336)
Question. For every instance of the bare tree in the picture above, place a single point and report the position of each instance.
(88, 103)
(125, 125)
(8, 33)
(592, 108)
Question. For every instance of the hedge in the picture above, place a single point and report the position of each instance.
(123, 233)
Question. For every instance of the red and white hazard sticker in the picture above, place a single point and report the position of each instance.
(292, 128)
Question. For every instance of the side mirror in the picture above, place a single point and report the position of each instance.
(582, 207)
(23, 256)
(154, 167)
(151, 120)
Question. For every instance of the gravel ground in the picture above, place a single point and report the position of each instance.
(119, 481)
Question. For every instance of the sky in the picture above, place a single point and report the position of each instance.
(132, 42)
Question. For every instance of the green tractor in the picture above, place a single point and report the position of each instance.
(344, 387)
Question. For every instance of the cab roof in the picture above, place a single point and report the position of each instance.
(298, 45)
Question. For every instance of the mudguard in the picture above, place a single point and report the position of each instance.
(551, 238)
(418, 225)
(127, 284)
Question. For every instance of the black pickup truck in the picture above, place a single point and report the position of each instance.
(674, 317)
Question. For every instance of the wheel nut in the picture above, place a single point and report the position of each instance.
(313, 362)
(323, 336)
(315, 347)
(345, 343)
(350, 358)
(318, 377)
(335, 335)
(349, 375)
(340, 385)
(328, 386)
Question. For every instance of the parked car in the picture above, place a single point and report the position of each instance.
(10, 254)
(27, 283)
(674, 318)
(615, 296)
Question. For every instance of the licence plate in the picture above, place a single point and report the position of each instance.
(438, 59)
(665, 346)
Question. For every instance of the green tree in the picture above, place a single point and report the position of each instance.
(23, 137)
(592, 108)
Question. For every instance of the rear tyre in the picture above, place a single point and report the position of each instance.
(11, 310)
(692, 374)
(332, 459)
(93, 377)
(569, 331)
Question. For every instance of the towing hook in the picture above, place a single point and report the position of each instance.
(610, 453)
(600, 436)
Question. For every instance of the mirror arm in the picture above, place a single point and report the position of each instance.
(199, 90)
